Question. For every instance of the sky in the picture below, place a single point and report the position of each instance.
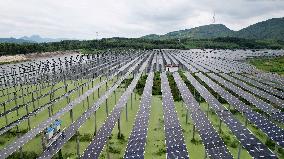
(92, 19)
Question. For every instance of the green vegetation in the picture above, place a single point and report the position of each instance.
(155, 144)
(88, 46)
(97, 46)
(27, 155)
(174, 88)
(232, 43)
(269, 29)
(157, 84)
(141, 84)
(275, 65)
(201, 32)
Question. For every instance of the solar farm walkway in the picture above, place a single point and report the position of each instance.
(137, 140)
(18, 143)
(175, 144)
(269, 109)
(269, 128)
(96, 146)
(214, 145)
(255, 148)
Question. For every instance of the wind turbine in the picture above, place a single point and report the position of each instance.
(214, 17)
(97, 34)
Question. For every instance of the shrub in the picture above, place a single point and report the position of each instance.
(2, 141)
(227, 139)
(269, 143)
(234, 144)
(86, 137)
(161, 151)
(113, 150)
(26, 155)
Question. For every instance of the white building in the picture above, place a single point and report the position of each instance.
(172, 68)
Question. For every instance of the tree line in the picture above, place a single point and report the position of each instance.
(138, 43)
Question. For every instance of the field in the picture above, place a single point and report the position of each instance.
(275, 65)
(107, 115)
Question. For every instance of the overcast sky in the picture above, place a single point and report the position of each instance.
(81, 19)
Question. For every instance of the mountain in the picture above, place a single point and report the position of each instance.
(14, 40)
(206, 31)
(39, 39)
(152, 36)
(202, 32)
(269, 29)
(31, 39)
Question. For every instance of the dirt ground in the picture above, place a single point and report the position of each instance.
(10, 59)
(33, 56)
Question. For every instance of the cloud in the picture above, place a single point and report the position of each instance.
(129, 18)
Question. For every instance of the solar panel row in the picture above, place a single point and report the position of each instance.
(137, 140)
(175, 144)
(214, 145)
(246, 138)
(274, 132)
(269, 109)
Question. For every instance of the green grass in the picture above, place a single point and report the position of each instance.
(275, 65)
(155, 143)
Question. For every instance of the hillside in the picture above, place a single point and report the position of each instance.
(14, 40)
(269, 29)
(206, 31)
(40, 39)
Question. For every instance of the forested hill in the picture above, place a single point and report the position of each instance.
(269, 29)
(202, 32)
